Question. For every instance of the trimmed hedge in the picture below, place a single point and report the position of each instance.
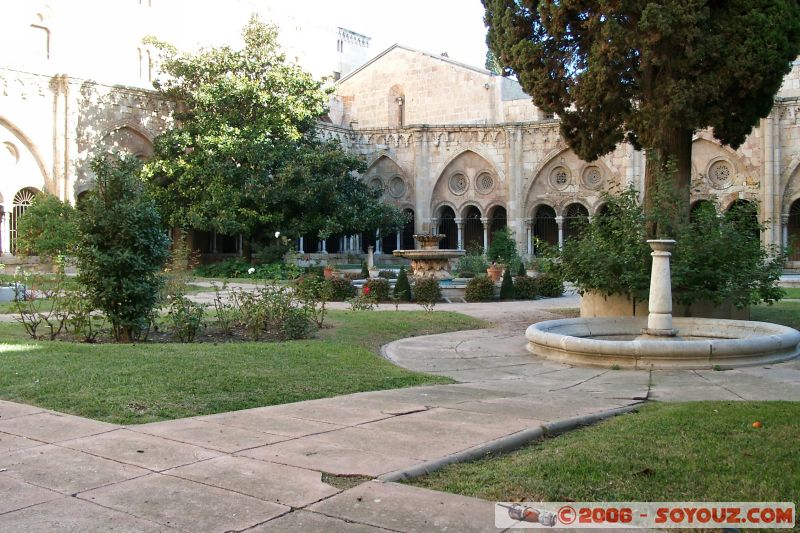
(378, 289)
(479, 290)
(525, 288)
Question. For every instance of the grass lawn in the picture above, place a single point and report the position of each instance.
(696, 451)
(786, 313)
(131, 384)
(792, 292)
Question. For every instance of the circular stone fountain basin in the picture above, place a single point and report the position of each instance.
(702, 343)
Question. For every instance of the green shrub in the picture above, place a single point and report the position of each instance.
(402, 289)
(314, 293)
(715, 258)
(507, 286)
(480, 289)
(364, 270)
(550, 285)
(269, 253)
(473, 262)
(503, 248)
(342, 289)
(387, 274)
(525, 288)
(47, 228)
(271, 312)
(230, 268)
(184, 318)
(122, 247)
(427, 292)
(378, 289)
(520, 268)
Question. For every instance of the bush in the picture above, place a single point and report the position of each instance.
(427, 292)
(550, 285)
(402, 289)
(272, 312)
(122, 247)
(507, 286)
(473, 262)
(378, 289)
(503, 248)
(342, 289)
(184, 318)
(479, 289)
(47, 228)
(466, 274)
(525, 288)
(715, 258)
(364, 270)
(387, 274)
(314, 293)
(230, 268)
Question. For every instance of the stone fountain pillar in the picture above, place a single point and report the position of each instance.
(659, 321)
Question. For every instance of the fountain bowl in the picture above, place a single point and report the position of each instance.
(430, 261)
(702, 343)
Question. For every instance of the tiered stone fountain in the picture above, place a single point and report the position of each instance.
(429, 261)
(661, 341)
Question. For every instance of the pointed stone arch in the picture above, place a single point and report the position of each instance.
(23, 141)
(398, 188)
(458, 184)
(129, 138)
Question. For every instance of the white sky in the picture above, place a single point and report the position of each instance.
(452, 26)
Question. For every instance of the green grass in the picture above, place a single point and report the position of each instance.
(792, 292)
(130, 384)
(697, 451)
(786, 313)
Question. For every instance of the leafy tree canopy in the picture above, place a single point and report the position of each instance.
(243, 156)
(47, 228)
(649, 72)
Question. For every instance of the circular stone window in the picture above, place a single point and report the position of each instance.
(397, 187)
(559, 178)
(720, 174)
(376, 184)
(458, 184)
(592, 177)
(484, 183)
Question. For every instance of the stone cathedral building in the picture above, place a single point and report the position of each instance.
(462, 150)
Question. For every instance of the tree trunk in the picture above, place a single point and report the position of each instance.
(667, 183)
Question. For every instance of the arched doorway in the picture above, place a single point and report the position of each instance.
(794, 231)
(407, 238)
(497, 221)
(473, 228)
(447, 227)
(22, 201)
(575, 217)
(545, 228)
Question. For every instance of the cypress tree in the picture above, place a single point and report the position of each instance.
(402, 289)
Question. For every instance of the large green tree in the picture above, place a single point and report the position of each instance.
(649, 72)
(243, 155)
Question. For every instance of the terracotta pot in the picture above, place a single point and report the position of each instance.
(495, 272)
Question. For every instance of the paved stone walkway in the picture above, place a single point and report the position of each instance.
(262, 469)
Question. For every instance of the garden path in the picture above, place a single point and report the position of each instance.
(278, 468)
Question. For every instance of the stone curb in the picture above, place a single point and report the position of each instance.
(507, 443)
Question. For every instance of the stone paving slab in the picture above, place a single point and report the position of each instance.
(262, 419)
(64, 470)
(53, 427)
(324, 411)
(12, 443)
(10, 410)
(314, 454)
(71, 515)
(186, 505)
(16, 494)
(142, 450)
(282, 484)
(226, 439)
(302, 521)
(409, 509)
